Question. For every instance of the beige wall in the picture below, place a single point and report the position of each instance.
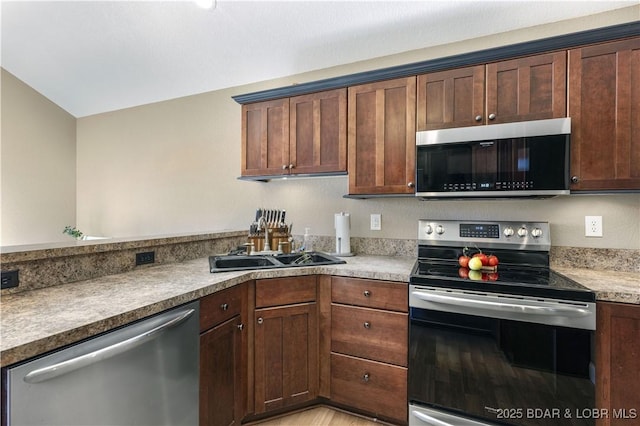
(171, 167)
(38, 154)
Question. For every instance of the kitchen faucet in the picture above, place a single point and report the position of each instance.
(266, 233)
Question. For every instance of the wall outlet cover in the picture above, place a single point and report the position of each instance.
(593, 226)
(376, 222)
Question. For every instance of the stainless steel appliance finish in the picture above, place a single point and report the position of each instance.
(512, 346)
(522, 129)
(145, 373)
(524, 159)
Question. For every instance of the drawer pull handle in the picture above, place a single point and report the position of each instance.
(367, 324)
(224, 306)
(365, 377)
(260, 320)
(240, 327)
(367, 293)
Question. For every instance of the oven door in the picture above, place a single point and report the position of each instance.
(493, 370)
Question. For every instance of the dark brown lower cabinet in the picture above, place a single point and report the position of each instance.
(223, 357)
(285, 343)
(618, 363)
(220, 375)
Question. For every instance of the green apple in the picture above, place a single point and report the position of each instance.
(475, 264)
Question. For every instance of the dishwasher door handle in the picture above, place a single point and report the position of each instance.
(64, 367)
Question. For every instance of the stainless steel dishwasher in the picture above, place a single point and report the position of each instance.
(145, 373)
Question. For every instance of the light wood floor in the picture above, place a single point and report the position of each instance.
(318, 416)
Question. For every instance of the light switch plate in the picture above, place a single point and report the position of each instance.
(376, 222)
(593, 226)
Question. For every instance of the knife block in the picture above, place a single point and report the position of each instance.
(277, 235)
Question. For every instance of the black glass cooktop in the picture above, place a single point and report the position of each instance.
(507, 279)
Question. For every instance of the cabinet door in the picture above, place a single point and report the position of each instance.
(529, 88)
(286, 356)
(453, 98)
(221, 374)
(604, 106)
(318, 132)
(382, 137)
(265, 138)
(618, 362)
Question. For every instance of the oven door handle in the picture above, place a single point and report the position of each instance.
(523, 308)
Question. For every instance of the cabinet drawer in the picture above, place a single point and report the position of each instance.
(377, 388)
(219, 307)
(285, 291)
(372, 294)
(370, 333)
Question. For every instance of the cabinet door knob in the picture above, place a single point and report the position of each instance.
(492, 116)
(224, 306)
(284, 167)
(365, 377)
(366, 293)
(291, 166)
(478, 118)
(240, 327)
(411, 184)
(575, 179)
(260, 320)
(367, 324)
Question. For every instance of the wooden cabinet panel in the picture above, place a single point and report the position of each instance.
(302, 135)
(370, 293)
(265, 138)
(370, 333)
(286, 356)
(221, 306)
(318, 132)
(529, 88)
(618, 362)
(285, 291)
(221, 390)
(604, 106)
(379, 389)
(453, 98)
(381, 137)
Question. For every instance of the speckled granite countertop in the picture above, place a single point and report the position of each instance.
(609, 286)
(35, 322)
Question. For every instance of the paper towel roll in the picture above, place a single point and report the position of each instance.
(343, 234)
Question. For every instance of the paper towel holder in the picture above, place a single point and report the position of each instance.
(342, 226)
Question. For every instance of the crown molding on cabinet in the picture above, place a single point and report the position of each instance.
(565, 41)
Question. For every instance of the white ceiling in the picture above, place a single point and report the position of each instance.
(91, 57)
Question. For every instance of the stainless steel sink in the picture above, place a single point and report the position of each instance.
(227, 263)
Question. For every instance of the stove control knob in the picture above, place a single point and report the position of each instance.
(536, 232)
(508, 231)
(428, 230)
(522, 232)
(439, 230)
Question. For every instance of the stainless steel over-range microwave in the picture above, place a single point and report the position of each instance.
(524, 159)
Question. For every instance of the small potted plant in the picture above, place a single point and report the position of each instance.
(73, 231)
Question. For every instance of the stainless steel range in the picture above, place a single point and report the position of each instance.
(506, 344)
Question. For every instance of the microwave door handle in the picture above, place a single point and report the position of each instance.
(429, 419)
(64, 367)
(552, 308)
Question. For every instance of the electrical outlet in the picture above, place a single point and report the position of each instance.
(593, 226)
(145, 258)
(10, 279)
(376, 222)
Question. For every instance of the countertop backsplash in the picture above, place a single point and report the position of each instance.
(53, 266)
